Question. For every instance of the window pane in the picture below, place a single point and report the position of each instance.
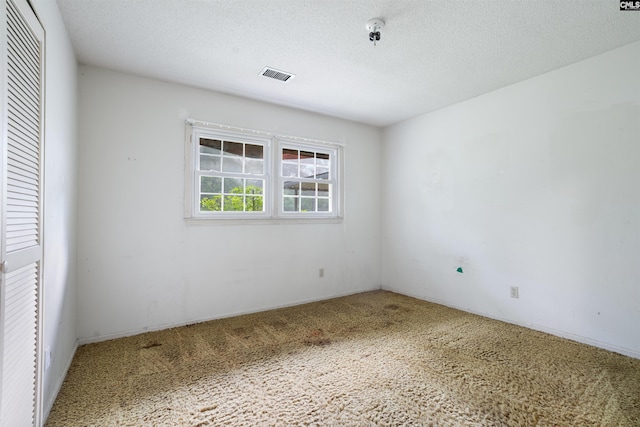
(209, 163)
(307, 171)
(254, 186)
(210, 203)
(289, 154)
(210, 184)
(253, 151)
(234, 149)
(307, 204)
(323, 205)
(323, 190)
(290, 204)
(233, 185)
(230, 164)
(308, 189)
(253, 203)
(306, 157)
(254, 166)
(291, 188)
(322, 159)
(233, 203)
(322, 173)
(289, 169)
(211, 146)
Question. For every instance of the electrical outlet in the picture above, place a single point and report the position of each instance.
(47, 358)
(321, 273)
(515, 292)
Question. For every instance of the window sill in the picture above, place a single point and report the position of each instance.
(260, 221)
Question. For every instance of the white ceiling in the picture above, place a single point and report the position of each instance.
(432, 53)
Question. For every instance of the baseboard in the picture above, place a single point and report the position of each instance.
(131, 332)
(559, 333)
(58, 386)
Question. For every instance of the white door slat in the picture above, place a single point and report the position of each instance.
(14, 178)
(15, 96)
(21, 127)
(20, 186)
(28, 116)
(21, 26)
(18, 139)
(30, 203)
(21, 221)
(19, 169)
(29, 233)
(19, 85)
(16, 51)
(22, 217)
(19, 247)
(32, 88)
(26, 196)
(17, 107)
(28, 239)
(21, 292)
(14, 228)
(18, 159)
(21, 164)
(19, 274)
(18, 54)
(18, 215)
(22, 40)
(12, 195)
(18, 154)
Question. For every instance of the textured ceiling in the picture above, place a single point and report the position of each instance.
(432, 53)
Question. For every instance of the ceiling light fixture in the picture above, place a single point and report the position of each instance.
(374, 26)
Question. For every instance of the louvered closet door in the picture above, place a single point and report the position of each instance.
(21, 238)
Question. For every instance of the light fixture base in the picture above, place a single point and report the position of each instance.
(375, 24)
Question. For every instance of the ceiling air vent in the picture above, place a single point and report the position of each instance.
(283, 76)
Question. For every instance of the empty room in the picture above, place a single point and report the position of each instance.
(327, 212)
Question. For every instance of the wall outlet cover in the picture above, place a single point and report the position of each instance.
(47, 358)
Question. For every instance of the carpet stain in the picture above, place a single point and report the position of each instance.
(278, 324)
(151, 345)
(316, 337)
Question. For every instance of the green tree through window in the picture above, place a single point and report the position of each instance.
(249, 200)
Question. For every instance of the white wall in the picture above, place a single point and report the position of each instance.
(140, 266)
(536, 185)
(59, 227)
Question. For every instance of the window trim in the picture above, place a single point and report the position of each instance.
(279, 179)
(201, 132)
(272, 200)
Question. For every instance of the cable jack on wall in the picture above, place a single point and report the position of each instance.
(374, 26)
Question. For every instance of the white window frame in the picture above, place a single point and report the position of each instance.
(195, 174)
(273, 188)
(333, 181)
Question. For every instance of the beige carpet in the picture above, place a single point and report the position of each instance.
(375, 358)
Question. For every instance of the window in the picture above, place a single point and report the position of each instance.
(229, 176)
(307, 179)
